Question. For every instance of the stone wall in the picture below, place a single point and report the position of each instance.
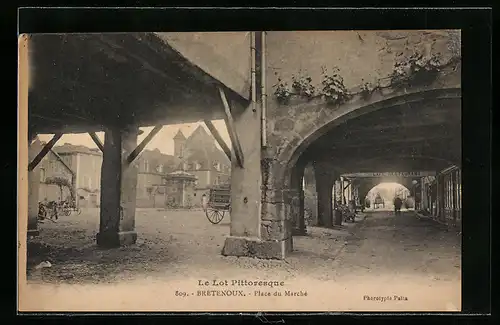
(296, 123)
(361, 57)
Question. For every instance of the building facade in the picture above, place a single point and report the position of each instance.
(200, 156)
(79, 166)
(442, 196)
(180, 189)
(153, 166)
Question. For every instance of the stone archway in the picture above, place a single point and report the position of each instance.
(367, 185)
(291, 147)
(285, 161)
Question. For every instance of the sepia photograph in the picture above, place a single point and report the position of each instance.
(273, 171)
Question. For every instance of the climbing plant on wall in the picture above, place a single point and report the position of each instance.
(332, 88)
(415, 69)
(368, 88)
(303, 87)
(455, 43)
(282, 92)
(408, 70)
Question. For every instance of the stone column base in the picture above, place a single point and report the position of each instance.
(113, 239)
(253, 247)
(299, 232)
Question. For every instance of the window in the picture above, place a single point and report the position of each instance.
(198, 166)
(160, 168)
(185, 166)
(146, 166)
(42, 174)
(181, 150)
(90, 183)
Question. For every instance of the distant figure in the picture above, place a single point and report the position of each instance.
(398, 203)
(378, 201)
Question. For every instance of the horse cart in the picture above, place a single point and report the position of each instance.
(218, 203)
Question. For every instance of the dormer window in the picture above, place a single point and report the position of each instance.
(198, 166)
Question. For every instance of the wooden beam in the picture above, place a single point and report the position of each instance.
(439, 149)
(231, 129)
(405, 128)
(386, 143)
(62, 162)
(114, 44)
(32, 136)
(133, 155)
(378, 137)
(48, 146)
(218, 138)
(97, 141)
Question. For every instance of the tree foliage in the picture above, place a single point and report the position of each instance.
(61, 182)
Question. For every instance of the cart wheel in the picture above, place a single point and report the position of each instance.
(214, 216)
(67, 212)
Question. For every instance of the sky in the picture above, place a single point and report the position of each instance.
(162, 141)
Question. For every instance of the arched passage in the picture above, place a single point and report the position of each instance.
(416, 131)
(303, 140)
(386, 191)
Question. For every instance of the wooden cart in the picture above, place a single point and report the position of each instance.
(219, 201)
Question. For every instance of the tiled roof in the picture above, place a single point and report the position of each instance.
(156, 157)
(179, 136)
(69, 148)
(200, 147)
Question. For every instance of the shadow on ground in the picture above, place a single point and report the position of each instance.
(180, 244)
(74, 257)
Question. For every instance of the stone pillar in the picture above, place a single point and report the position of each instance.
(454, 195)
(258, 225)
(310, 196)
(296, 198)
(424, 204)
(296, 201)
(301, 225)
(311, 204)
(33, 189)
(440, 197)
(118, 189)
(325, 179)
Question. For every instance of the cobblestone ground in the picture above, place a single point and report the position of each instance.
(170, 244)
(382, 249)
(402, 246)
